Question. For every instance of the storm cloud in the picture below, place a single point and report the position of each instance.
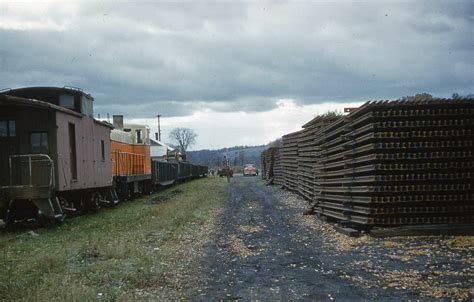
(142, 58)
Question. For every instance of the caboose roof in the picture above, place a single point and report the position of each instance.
(44, 92)
(33, 103)
(26, 102)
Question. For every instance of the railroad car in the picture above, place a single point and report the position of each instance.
(203, 170)
(184, 170)
(131, 162)
(54, 156)
(164, 173)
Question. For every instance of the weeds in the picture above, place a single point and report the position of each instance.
(110, 254)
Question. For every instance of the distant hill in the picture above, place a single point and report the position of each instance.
(238, 156)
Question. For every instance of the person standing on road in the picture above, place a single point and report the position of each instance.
(226, 168)
(225, 162)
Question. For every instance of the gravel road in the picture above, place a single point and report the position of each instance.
(262, 247)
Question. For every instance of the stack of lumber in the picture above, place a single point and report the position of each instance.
(263, 164)
(268, 162)
(278, 177)
(289, 160)
(387, 163)
(392, 163)
(309, 147)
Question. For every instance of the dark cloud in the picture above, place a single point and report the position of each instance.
(142, 57)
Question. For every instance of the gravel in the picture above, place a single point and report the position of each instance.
(261, 246)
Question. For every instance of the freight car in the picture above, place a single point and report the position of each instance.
(165, 173)
(54, 156)
(199, 171)
(184, 171)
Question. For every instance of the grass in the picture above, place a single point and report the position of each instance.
(108, 254)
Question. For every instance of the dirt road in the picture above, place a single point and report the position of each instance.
(262, 247)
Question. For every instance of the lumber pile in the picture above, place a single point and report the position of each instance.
(263, 165)
(278, 177)
(289, 160)
(267, 163)
(400, 163)
(387, 163)
(309, 147)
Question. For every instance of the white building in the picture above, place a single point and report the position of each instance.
(158, 149)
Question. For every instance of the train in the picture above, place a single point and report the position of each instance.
(57, 159)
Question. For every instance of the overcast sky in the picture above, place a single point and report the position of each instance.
(238, 73)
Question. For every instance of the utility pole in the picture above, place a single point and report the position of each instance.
(158, 134)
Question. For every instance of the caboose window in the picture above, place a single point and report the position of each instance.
(7, 128)
(102, 149)
(39, 142)
(66, 101)
(3, 129)
(139, 136)
(86, 106)
(11, 128)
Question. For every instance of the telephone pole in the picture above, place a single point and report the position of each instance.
(158, 134)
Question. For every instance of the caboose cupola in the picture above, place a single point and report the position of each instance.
(68, 97)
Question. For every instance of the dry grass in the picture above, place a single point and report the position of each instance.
(250, 229)
(239, 248)
(126, 252)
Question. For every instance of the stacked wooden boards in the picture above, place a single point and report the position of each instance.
(271, 165)
(388, 163)
(278, 177)
(267, 163)
(309, 153)
(289, 160)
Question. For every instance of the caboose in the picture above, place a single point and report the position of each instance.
(54, 156)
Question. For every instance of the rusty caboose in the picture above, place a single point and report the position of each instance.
(54, 156)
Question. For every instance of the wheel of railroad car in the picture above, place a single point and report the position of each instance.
(80, 205)
(8, 219)
(131, 192)
(66, 205)
(94, 201)
(60, 219)
(48, 222)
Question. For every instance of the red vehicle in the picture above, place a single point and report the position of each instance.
(250, 170)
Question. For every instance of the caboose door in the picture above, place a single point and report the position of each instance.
(72, 151)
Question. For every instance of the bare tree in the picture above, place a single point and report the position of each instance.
(183, 138)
